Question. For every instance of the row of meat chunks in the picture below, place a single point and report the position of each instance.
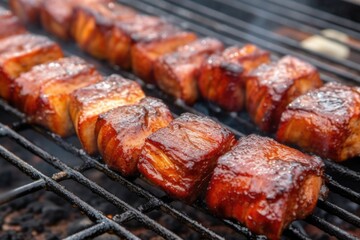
(256, 180)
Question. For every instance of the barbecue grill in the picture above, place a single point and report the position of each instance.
(264, 23)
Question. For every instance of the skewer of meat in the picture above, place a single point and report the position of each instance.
(28, 11)
(9, 24)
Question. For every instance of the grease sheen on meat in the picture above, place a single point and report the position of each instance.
(271, 87)
(122, 131)
(222, 76)
(9, 24)
(43, 93)
(28, 11)
(325, 121)
(176, 73)
(19, 53)
(93, 23)
(181, 157)
(265, 185)
(88, 103)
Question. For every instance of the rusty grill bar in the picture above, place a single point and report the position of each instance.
(202, 17)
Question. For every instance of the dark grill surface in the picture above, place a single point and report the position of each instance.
(234, 22)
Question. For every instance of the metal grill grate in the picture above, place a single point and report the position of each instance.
(202, 17)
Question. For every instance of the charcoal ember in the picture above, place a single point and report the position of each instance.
(21, 219)
(35, 207)
(106, 236)
(20, 203)
(53, 214)
(33, 225)
(11, 235)
(51, 236)
(78, 225)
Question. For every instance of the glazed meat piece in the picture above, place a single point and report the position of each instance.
(222, 76)
(43, 93)
(123, 37)
(92, 23)
(121, 132)
(265, 185)
(325, 121)
(88, 103)
(181, 157)
(19, 53)
(154, 43)
(270, 88)
(56, 15)
(9, 24)
(176, 73)
(28, 11)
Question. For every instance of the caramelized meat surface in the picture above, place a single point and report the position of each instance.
(88, 103)
(181, 157)
(123, 36)
(325, 121)
(222, 76)
(121, 132)
(56, 15)
(176, 73)
(19, 53)
(28, 11)
(43, 93)
(264, 185)
(154, 43)
(93, 23)
(270, 88)
(9, 24)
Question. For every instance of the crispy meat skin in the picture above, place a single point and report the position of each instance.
(93, 23)
(121, 132)
(28, 11)
(19, 53)
(222, 76)
(176, 73)
(325, 121)
(9, 24)
(181, 157)
(123, 35)
(56, 15)
(265, 185)
(154, 43)
(43, 93)
(270, 88)
(88, 103)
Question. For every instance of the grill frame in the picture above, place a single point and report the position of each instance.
(103, 223)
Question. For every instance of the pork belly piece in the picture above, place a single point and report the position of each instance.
(9, 24)
(19, 53)
(265, 185)
(124, 35)
(121, 132)
(28, 11)
(270, 88)
(181, 157)
(92, 23)
(154, 43)
(56, 15)
(43, 93)
(325, 121)
(176, 73)
(88, 103)
(222, 76)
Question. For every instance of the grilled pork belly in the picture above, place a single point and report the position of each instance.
(325, 121)
(265, 185)
(88, 103)
(181, 157)
(270, 88)
(154, 43)
(92, 23)
(19, 53)
(123, 37)
(121, 132)
(222, 76)
(56, 15)
(28, 11)
(176, 73)
(43, 93)
(9, 24)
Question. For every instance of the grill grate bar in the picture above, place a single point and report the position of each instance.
(343, 191)
(237, 34)
(342, 170)
(90, 232)
(61, 191)
(22, 191)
